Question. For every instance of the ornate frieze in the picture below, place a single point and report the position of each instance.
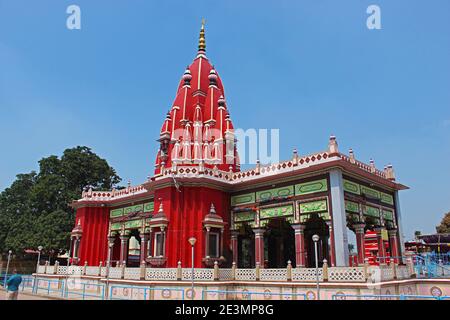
(311, 187)
(276, 192)
(273, 212)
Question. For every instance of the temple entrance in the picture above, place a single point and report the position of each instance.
(316, 225)
(134, 249)
(279, 244)
(115, 259)
(246, 248)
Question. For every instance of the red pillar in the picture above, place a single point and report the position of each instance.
(360, 244)
(144, 241)
(300, 256)
(259, 246)
(123, 248)
(234, 245)
(381, 251)
(393, 243)
(332, 249)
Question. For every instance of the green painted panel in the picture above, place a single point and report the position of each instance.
(370, 192)
(116, 226)
(371, 211)
(149, 206)
(131, 224)
(244, 216)
(351, 187)
(313, 206)
(243, 199)
(276, 212)
(388, 215)
(311, 187)
(277, 192)
(351, 206)
(133, 209)
(387, 198)
(116, 213)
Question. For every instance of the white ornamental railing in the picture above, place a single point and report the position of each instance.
(402, 272)
(346, 274)
(115, 273)
(273, 274)
(92, 271)
(50, 270)
(161, 274)
(246, 274)
(199, 274)
(225, 274)
(306, 274)
(332, 274)
(132, 273)
(40, 269)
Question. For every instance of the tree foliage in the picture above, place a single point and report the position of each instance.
(444, 227)
(35, 209)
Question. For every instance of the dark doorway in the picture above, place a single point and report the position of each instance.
(134, 249)
(316, 225)
(246, 248)
(279, 244)
(115, 259)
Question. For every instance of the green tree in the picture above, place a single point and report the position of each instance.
(35, 209)
(444, 227)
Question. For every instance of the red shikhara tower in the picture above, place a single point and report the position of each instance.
(198, 127)
(194, 138)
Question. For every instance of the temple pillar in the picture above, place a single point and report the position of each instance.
(123, 248)
(332, 247)
(208, 229)
(360, 241)
(144, 240)
(300, 254)
(393, 244)
(381, 251)
(111, 240)
(259, 246)
(339, 242)
(234, 245)
(400, 234)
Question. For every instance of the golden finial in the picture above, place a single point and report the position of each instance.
(201, 41)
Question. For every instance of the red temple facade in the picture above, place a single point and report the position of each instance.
(264, 216)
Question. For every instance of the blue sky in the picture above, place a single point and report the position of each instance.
(310, 68)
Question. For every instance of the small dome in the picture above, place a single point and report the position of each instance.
(221, 101)
(212, 76)
(187, 76)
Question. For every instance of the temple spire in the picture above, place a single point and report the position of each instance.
(201, 40)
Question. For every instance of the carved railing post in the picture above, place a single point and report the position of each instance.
(100, 269)
(179, 271)
(46, 265)
(394, 269)
(410, 264)
(289, 271)
(233, 271)
(216, 271)
(257, 271)
(124, 265)
(325, 270)
(84, 268)
(142, 271)
(55, 271)
(366, 268)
